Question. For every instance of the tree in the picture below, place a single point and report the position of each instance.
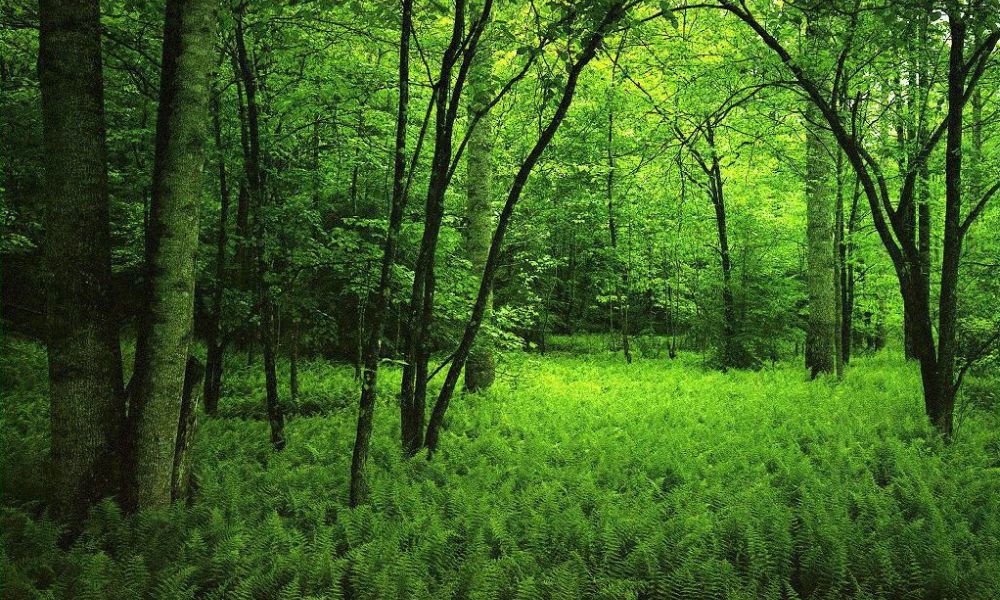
(256, 192)
(611, 16)
(820, 277)
(480, 369)
(87, 406)
(940, 374)
(161, 364)
(215, 341)
(376, 326)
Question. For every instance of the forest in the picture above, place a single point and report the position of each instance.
(500, 299)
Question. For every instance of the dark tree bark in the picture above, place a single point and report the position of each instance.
(380, 303)
(847, 277)
(257, 193)
(162, 355)
(413, 389)
(731, 353)
(612, 16)
(215, 343)
(87, 408)
(181, 480)
(621, 281)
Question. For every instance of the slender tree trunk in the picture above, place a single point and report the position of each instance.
(380, 302)
(188, 47)
(731, 351)
(621, 278)
(846, 250)
(293, 369)
(820, 329)
(87, 409)
(413, 389)
(181, 479)
(612, 15)
(257, 193)
(941, 403)
(480, 369)
(214, 360)
(838, 269)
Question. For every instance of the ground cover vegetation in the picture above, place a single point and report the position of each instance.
(495, 298)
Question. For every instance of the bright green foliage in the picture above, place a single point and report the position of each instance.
(574, 477)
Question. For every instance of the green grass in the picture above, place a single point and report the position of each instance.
(575, 477)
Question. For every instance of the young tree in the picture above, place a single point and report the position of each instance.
(257, 192)
(215, 340)
(380, 302)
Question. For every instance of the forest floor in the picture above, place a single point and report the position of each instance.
(575, 476)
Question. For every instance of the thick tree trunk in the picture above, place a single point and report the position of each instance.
(821, 325)
(380, 302)
(480, 370)
(188, 47)
(214, 359)
(87, 408)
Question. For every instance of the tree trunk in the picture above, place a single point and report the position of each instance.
(380, 302)
(181, 480)
(293, 369)
(188, 46)
(731, 351)
(940, 398)
(214, 360)
(257, 193)
(413, 389)
(846, 250)
(480, 370)
(838, 270)
(87, 408)
(821, 325)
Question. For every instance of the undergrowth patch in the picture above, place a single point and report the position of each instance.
(574, 477)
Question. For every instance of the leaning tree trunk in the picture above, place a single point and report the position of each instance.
(480, 369)
(188, 47)
(436, 421)
(181, 480)
(84, 363)
(821, 324)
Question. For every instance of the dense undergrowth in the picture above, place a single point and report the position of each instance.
(575, 477)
